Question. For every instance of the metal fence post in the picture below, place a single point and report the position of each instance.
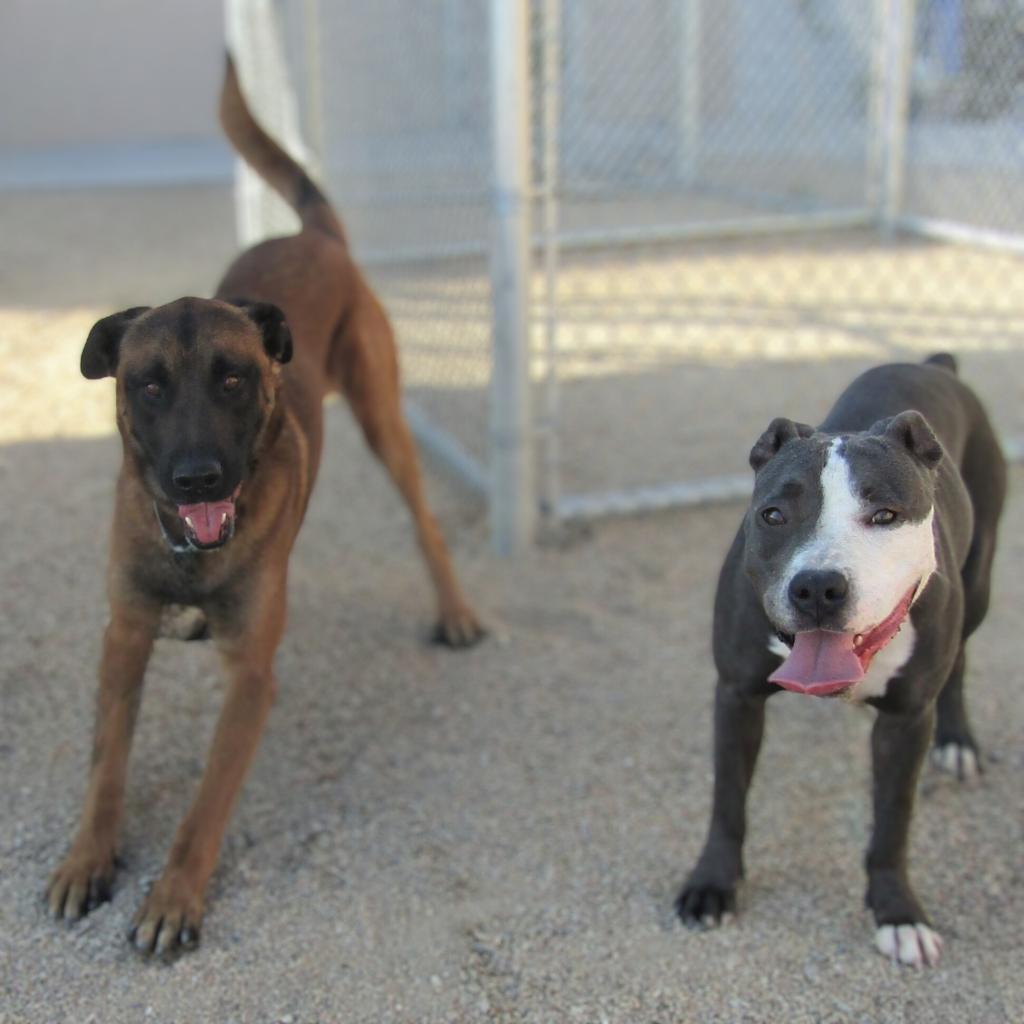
(550, 456)
(316, 120)
(899, 50)
(688, 15)
(254, 33)
(512, 503)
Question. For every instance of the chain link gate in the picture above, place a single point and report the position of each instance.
(743, 207)
(716, 213)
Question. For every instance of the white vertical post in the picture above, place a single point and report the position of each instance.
(552, 102)
(899, 48)
(315, 117)
(512, 504)
(877, 63)
(255, 39)
(688, 17)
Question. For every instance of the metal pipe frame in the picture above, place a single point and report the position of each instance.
(513, 506)
(688, 13)
(316, 119)
(899, 48)
(962, 234)
(256, 26)
(875, 148)
(782, 223)
(446, 451)
(550, 425)
(713, 490)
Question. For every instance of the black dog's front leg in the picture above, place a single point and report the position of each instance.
(899, 742)
(710, 891)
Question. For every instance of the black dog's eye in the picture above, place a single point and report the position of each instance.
(232, 382)
(773, 517)
(884, 517)
(152, 389)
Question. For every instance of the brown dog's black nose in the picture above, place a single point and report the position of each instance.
(818, 593)
(197, 478)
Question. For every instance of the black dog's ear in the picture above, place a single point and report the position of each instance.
(277, 337)
(779, 431)
(911, 430)
(99, 357)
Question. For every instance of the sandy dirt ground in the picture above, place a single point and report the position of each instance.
(495, 835)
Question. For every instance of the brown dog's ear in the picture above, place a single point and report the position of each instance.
(277, 337)
(99, 357)
(779, 431)
(911, 430)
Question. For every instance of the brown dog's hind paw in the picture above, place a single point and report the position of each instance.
(169, 919)
(458, 628)
(81, 883)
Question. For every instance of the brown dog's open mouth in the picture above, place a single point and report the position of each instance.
(208, 524)
(823, 663)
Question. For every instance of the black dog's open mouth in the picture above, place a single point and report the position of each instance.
(209, 524)
(822, 663)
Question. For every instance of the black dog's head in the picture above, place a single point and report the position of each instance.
(196, 383)
(840, 541)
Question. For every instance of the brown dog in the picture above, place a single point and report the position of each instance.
(221, 422)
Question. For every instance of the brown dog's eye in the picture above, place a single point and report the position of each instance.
(153, 390)
(231, 381)
(773, 517)
(884, 517)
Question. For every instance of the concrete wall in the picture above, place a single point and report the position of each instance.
(88, 72)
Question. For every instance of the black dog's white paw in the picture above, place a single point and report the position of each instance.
(957, 759)
(915, 945)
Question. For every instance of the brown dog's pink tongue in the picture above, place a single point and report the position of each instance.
(820, 662)
(207, 519)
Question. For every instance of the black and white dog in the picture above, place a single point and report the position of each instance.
(861, 568)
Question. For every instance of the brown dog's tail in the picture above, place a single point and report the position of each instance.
(270, 161)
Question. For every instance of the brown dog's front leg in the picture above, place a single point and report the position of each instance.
(170, 916)
(84, 878)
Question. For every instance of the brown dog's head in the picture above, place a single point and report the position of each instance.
(196, 384)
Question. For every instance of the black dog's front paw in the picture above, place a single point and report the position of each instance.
(903, 933)
(705, 904)
(914, 944)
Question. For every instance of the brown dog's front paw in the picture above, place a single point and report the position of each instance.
(458, 627)
(81, 883)
(168, 920)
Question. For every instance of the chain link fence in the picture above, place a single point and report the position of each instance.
(732, 208)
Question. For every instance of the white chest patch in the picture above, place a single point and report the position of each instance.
(881, 563)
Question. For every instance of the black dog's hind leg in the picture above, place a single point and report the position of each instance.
(956, 750)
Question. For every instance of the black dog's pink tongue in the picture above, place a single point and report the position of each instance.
(206, 520)
(821, 662)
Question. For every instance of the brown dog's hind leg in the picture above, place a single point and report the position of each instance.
(84, 878)
(170, 916)
(370, 382)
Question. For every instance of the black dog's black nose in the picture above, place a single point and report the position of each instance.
(819, 593)
(197, 478)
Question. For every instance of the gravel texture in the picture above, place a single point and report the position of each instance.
(495, 835)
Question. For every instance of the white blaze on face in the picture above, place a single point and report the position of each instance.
(880, 563)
